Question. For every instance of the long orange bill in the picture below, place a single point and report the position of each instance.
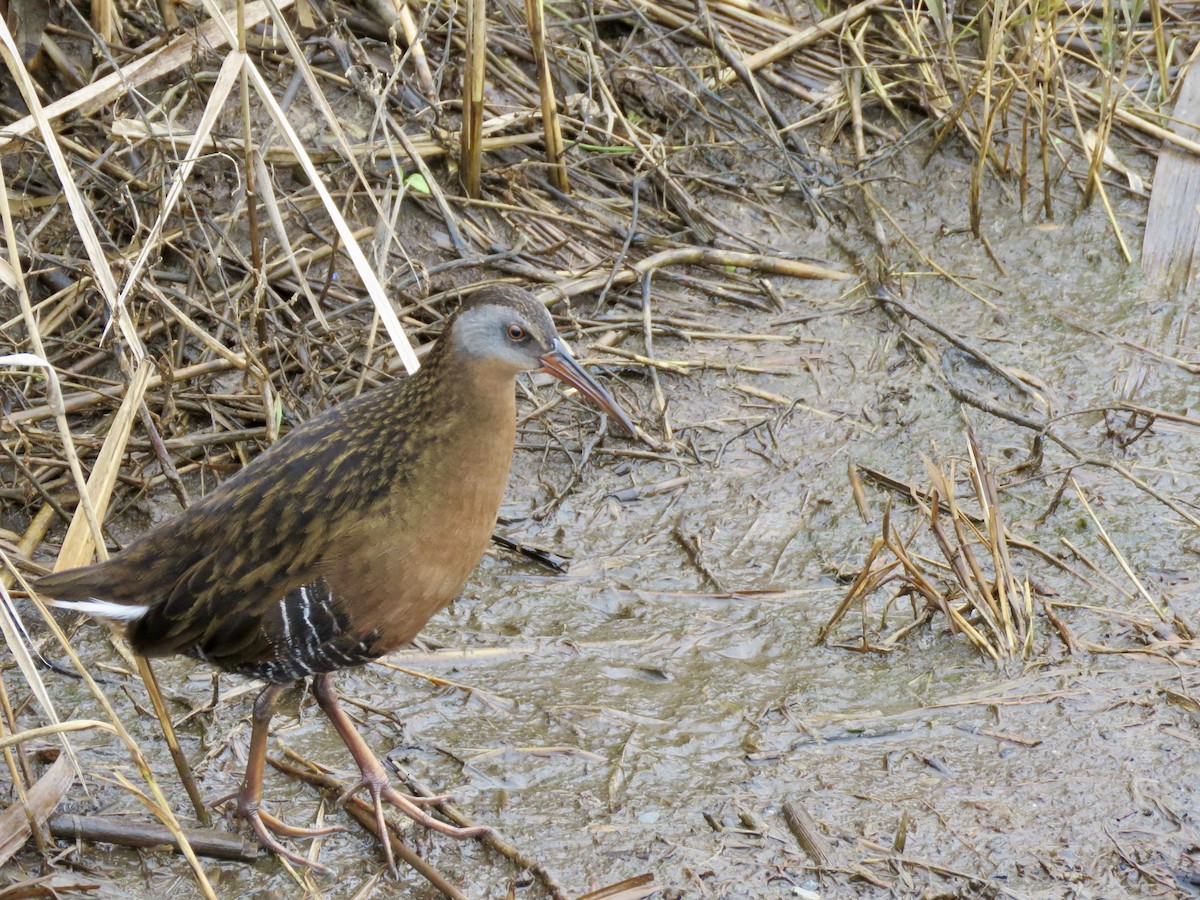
(562, 365)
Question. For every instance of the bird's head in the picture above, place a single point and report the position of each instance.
(508, 327)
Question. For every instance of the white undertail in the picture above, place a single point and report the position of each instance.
(103, 609)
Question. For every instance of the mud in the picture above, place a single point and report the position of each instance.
(653, 710)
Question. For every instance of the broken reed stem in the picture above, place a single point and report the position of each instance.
(104, 20)
(1103, 536)
(1004, 584)
(535, 15)
(471, 150)
(210, 843)
(168, 729)
(976, 591)
(867, 582)
(807, 832)
(416, 49)
(660, 400)
(249, 150)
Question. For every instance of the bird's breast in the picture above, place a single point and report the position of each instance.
(414, 556)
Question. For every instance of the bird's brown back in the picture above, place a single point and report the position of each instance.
(385, 501)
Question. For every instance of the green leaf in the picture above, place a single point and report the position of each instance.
(417, 184)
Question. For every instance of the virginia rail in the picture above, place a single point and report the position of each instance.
(339, 543)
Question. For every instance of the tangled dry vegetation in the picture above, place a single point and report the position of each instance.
(184, 218)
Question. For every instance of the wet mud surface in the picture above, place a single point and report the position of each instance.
(655, 709)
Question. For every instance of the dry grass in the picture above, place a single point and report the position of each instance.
(973, 584)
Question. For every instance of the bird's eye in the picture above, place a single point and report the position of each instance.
(516, 332)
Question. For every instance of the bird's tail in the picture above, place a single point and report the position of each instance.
(83, 590)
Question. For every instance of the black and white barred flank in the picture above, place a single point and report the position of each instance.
(313, 635)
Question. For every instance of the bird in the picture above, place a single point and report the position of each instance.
(337, 545)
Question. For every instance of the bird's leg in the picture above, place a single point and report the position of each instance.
(374, 778)
(249, 796)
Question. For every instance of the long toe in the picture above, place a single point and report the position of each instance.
(381, 826)
(432, 800)
(411, 807)
(264, 824)
(380, 789)
(281, 827)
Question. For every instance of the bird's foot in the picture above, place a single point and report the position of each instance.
(412, 806)
(374, 777)
(380, 789)
(266, 826)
